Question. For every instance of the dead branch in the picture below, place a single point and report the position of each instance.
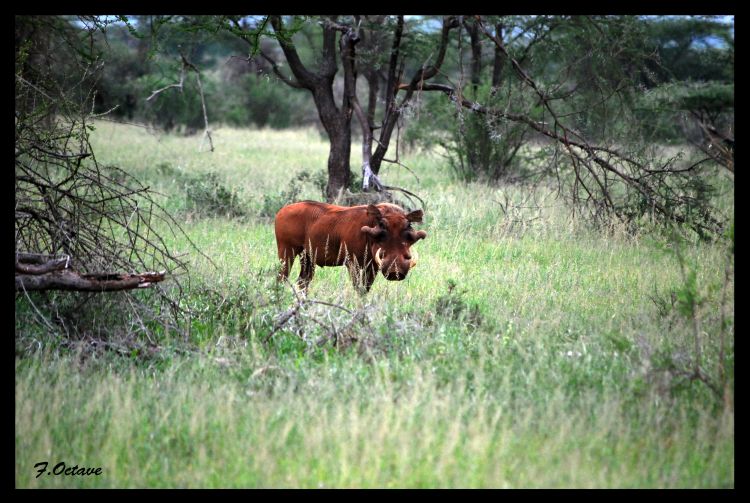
(34, 258)
(41, 268)
(203, 105)
(69, 280)
(179, 85)
(299, 311)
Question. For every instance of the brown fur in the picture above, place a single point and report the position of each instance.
(328, 235)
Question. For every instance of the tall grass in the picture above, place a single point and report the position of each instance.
(521, 352)
(198, 425)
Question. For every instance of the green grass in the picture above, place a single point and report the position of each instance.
(539, 367)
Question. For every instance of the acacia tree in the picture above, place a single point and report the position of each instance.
(318, 78)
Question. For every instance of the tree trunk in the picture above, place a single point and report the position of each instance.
(497, 66)
(476, 55)
(476, 140)
(338, 125)
(339, 172)
(424, 73)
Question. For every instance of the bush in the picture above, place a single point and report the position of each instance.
(206, 195)
(477, 148)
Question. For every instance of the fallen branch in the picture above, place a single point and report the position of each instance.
(37, 268)
(70, 280)
(36, 258)
(298, 312)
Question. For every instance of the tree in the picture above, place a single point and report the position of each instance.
(473, 149)
(320, 82)
(574, 81)
(578, 89)
(692, 81)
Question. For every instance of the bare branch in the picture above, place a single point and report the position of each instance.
(203, 105)
(178, 85)
(43, 268)
(275, 67)
(69, 280)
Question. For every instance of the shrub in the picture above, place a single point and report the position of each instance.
(206, 195)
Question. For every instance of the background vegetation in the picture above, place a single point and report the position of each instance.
(528, 348)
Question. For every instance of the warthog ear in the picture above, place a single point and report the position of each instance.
(374, 211)
(420, 235)
(415, 216)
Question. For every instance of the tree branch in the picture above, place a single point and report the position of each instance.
(303, 75)
(69, 280)
(275, 67)
(39, 267)
(178, 85)
(329, 67)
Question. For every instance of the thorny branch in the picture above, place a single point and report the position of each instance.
(82, 226)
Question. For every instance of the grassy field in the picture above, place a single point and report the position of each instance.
(525, 350)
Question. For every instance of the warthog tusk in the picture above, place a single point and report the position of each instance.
(414, 258)
(378, 260)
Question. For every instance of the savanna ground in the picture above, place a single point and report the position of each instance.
(525, 350)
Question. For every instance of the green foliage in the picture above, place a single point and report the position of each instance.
(269, 103)
(663, 110)
(711, 97)
(175, 107)
(136, 65)
(131, 29)
(697, 48)
(206, 195)
(478, 148)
